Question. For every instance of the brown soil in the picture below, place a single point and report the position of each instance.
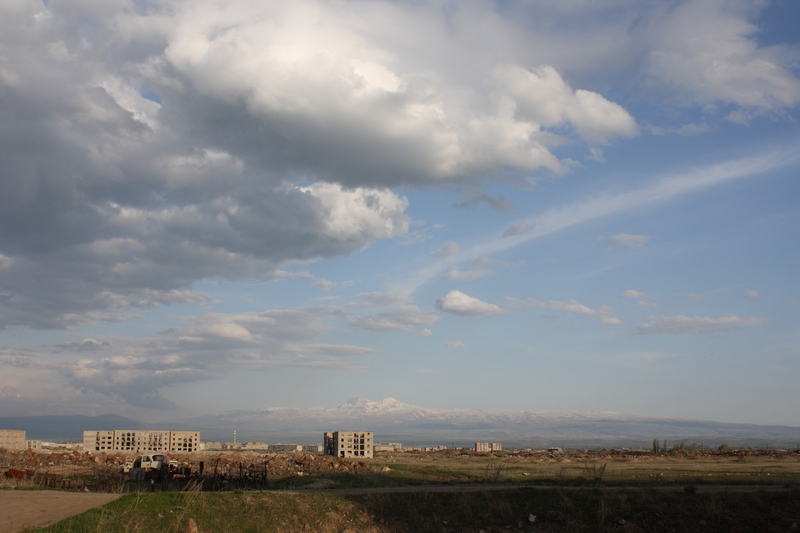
(21, 510)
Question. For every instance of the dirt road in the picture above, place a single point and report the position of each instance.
(568, 488)
(21, 509)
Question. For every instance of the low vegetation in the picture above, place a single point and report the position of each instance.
(462, 491)
(489, 511)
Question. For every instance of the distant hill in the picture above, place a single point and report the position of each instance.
(395, 421)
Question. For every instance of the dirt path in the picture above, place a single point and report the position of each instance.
(22, 509)
(494, 487)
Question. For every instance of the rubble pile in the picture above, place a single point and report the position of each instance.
(43, 460)
(275, 464)
(221, 463)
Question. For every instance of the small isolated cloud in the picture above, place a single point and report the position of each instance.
(402, 317)
(468, 275)
(604, 314)
(455, 344)
(458, 303)
(395, 312)
(323, 284)
(426, 332)
(520, 228)
(330, 350)
(424, 372)
(449, 248)
(476, 196)
(86, 345)
(381, 298)
(694, 297)
(750, 293)
(642, 298)
(284, 275)
(628, 240)
(686, 130)
(479, 268)
(636, 295)
(597, 155)
(677, 325)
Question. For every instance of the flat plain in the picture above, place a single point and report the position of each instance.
(462, 491)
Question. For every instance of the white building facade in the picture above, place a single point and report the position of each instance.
(349, 444)
(12, 439)
(139, 441)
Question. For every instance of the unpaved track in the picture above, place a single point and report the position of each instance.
(569, 488)
(22, 509)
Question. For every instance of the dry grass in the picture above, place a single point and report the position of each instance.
(577, 468)
(421, 512)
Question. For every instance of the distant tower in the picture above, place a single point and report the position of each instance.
(234, 436)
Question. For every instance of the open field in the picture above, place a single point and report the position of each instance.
(453, 490)
(287, 470)
(525, 509)
(610, 467)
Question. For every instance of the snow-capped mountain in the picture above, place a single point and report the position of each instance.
(387, 405)
(395, 421)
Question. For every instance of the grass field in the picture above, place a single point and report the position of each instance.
(554, 510)
(570, 469)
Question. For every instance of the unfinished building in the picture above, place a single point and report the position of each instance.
(349, 443)
(139, 441)
(487, 447)
(12, 439)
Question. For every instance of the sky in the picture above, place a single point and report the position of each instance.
(569, 205)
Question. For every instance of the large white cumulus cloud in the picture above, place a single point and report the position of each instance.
(323, 93)
(706, 51)
(146, 145)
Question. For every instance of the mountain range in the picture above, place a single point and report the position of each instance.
(395, 421)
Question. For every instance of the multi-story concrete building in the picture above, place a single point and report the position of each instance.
(349, 443)
(286, 448)
(12, 439)
(137, 441)
(488, 447)
(391, 447)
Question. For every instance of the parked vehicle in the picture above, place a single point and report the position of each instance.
(148, 463)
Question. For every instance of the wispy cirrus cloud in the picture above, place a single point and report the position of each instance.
(455, 344)
(660, 190)
(678, 325)
(604, 314)
(627, 240)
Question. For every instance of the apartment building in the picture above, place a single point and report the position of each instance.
(12, 439)
(486, 447)
(139, 441)
(349, 443)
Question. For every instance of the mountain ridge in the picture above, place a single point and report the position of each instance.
(394, 421)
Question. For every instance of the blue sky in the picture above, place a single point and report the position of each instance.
(528, 205)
